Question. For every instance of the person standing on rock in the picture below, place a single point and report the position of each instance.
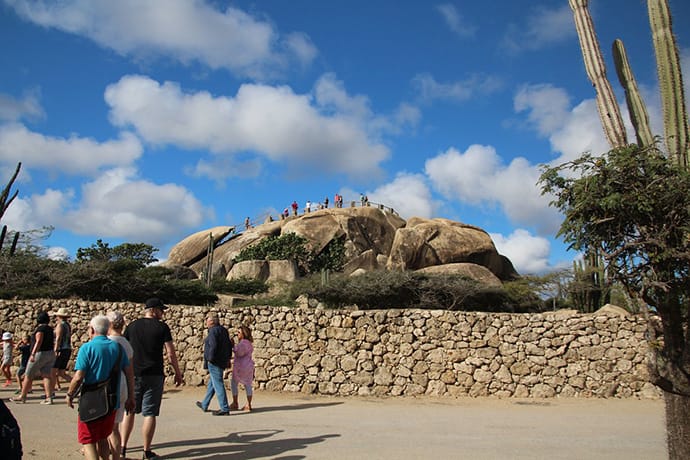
(217, 355)
(243, 368)
(149, 336)
(295, 207)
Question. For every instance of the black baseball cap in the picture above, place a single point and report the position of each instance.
(155, 302)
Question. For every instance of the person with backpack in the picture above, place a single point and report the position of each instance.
(96, 361)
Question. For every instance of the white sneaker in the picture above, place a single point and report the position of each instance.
(47, 401)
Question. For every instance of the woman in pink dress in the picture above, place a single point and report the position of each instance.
(243, 367)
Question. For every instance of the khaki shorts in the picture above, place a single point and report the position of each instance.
(42, 365)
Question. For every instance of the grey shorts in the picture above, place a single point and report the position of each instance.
(42, 365)
(148, 392)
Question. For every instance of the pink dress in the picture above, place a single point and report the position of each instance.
(243, 364)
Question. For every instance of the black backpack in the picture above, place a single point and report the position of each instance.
(10, 436)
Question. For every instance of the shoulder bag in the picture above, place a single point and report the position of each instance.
(99, 399)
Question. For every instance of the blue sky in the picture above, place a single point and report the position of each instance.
(147, 121)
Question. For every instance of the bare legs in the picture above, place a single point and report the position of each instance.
(148, 429)
(126, 427)
(97, 451)
(115, 442)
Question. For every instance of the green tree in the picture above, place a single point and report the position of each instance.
(633, 206)
(140, 253)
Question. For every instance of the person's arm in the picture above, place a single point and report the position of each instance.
(37, 346)
(59, 330)
(77, 378)
(129, 376)
(172, 356)
(241, 349)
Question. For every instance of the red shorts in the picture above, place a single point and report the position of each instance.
(92, 432)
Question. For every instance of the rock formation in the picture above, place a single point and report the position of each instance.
(374, 239)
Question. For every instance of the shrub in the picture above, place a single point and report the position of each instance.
(245, 286)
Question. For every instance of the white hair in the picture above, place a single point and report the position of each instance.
(100, 324)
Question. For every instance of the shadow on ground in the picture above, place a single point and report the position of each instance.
(245, 444)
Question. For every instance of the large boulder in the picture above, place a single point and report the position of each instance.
(363, 229)
(194, 247)
(428, 242)
(265, 270)
(476, 272)
(229, 249)
(252, 269)
(374, 238)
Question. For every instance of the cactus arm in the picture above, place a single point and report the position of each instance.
(609, 112)
(670, 81)
(636, 106)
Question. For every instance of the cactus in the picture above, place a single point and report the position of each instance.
(636, 106)
(590, 289)
(676, 129)
(609, 112)
(5, 198)
(670, 81)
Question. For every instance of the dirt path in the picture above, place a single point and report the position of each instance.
(295, 426)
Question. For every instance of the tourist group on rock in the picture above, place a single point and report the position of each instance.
(120, 372)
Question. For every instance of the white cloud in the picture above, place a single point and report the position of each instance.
(547, 106)
(329, 130)
(477, 85)
(408, 194)
(186, 30)
(115, 205)
(118, 204)
(73, 155)
(544, 27)
(38, 210)
(478, 176)
(528, 253)
(571, 131)
(455, 21)
(57, 253)
(12, 109)
(220, 169)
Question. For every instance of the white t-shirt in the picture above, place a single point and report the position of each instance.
(130, 353)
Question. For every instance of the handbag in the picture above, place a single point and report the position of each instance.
(99, 399)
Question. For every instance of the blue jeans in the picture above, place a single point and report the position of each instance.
(217, 387)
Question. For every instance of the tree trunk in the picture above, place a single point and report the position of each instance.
(677, 426)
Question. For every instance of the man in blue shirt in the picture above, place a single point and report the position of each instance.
(95, 362)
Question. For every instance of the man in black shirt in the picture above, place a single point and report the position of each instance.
(149, 336)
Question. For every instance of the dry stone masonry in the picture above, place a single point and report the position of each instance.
(404, 352)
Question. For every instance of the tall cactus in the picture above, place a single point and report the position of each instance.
(636, 106)
(609, 112)
(5, 198)
(670, 81)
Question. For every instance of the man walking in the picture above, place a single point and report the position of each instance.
(217, 354)
(95, 362)
(149, 336)
(63, 349)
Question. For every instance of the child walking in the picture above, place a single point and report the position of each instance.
(24, 348)
(243, 367)
(7, 345)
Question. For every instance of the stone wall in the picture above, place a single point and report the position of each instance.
(404, 352)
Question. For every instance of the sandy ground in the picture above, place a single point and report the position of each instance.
(293, 426)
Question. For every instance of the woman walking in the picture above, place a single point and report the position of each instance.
(243, 367)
